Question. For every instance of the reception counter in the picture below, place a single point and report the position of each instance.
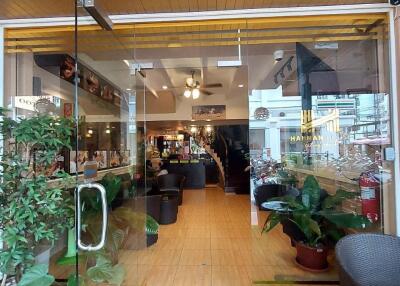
(193, 170)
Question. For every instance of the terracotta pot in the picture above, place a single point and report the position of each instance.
(312, 258)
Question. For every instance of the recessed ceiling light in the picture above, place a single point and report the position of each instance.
(208, 120)
(164, 87)
(128, 89)
(241, 85)
(192, 120)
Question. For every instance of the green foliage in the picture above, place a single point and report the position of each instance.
(37, 276)
(319, 222)
(105, 271)
(31, 212)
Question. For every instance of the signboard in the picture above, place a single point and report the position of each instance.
(324, 104)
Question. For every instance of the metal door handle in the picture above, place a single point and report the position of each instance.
(102, 191)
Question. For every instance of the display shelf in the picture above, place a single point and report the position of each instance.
(100, 175)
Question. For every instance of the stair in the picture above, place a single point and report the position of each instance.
(217, 160)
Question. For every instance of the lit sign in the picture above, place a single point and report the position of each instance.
(28, 102)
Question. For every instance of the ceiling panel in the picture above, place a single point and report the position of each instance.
(217, 33)
(10, 9)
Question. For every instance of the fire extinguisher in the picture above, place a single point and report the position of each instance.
(370, 196)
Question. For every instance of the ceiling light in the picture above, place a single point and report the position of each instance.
(193, 129)
(108, 131)
(192, 120)
(189, 81)
(164, 87)
(187, 93)
(128, 89)
(241, 85)
(196, 93)
(90, 131)
(208, 120)
(208, 129)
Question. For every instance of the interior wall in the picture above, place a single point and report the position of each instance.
(236, 105)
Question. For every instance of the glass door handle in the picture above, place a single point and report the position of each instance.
(102, 191)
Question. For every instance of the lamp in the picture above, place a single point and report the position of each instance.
(196, 93)
(187, 93)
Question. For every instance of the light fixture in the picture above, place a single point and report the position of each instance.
(208, 120)
(241, 85)
(164, 87)
(208, 129)
(108, 131)
(127, 63)
(193, 129)
(187, 93)
(196, 93)
(192, 120)
(128, 89)
(90, 131)
(98, 14)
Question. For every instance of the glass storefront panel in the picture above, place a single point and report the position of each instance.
(320, 95)
(278, 100)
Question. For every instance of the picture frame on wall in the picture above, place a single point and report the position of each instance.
(115, 159)
(101, 158)
(209, 112)
(125, 157)
(76, 161)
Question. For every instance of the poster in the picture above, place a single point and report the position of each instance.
(209, 112)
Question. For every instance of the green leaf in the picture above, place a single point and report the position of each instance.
(273, 220)
(37, 276)
(336, 200)
(104, 271)
(151, 225)
(345, 220)
(73, 281)
(311, 193)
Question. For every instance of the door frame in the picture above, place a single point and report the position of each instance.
(394, 227)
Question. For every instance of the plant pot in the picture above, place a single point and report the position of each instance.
(151, 239)
(312, 258)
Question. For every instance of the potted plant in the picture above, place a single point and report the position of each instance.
(32, 213)
(314, 222)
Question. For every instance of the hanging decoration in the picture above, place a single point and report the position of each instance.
(261, 113)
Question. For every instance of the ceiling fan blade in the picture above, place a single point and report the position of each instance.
(212, 85)
(206, 92)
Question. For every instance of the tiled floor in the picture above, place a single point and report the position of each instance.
(214, 243)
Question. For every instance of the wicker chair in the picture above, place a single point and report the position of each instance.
(369, 260)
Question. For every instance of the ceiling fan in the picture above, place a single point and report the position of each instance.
(193, 88)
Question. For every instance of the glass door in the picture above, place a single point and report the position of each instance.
(108, 154)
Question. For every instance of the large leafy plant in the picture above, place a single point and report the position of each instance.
(319, 219)
(31, 212)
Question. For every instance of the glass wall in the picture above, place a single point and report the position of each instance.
(320, 115)
(290, 109)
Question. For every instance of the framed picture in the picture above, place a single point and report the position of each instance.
(209, 112)
(101, 159)
(125, 157)
(115, 159)
(76, 161)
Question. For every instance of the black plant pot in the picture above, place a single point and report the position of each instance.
(151, 239)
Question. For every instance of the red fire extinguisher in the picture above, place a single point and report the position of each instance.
(370, 196)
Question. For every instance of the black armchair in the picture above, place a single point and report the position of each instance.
(171, 182)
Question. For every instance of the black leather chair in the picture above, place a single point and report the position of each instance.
(169, 208)
(150, 205)
(171, 182)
